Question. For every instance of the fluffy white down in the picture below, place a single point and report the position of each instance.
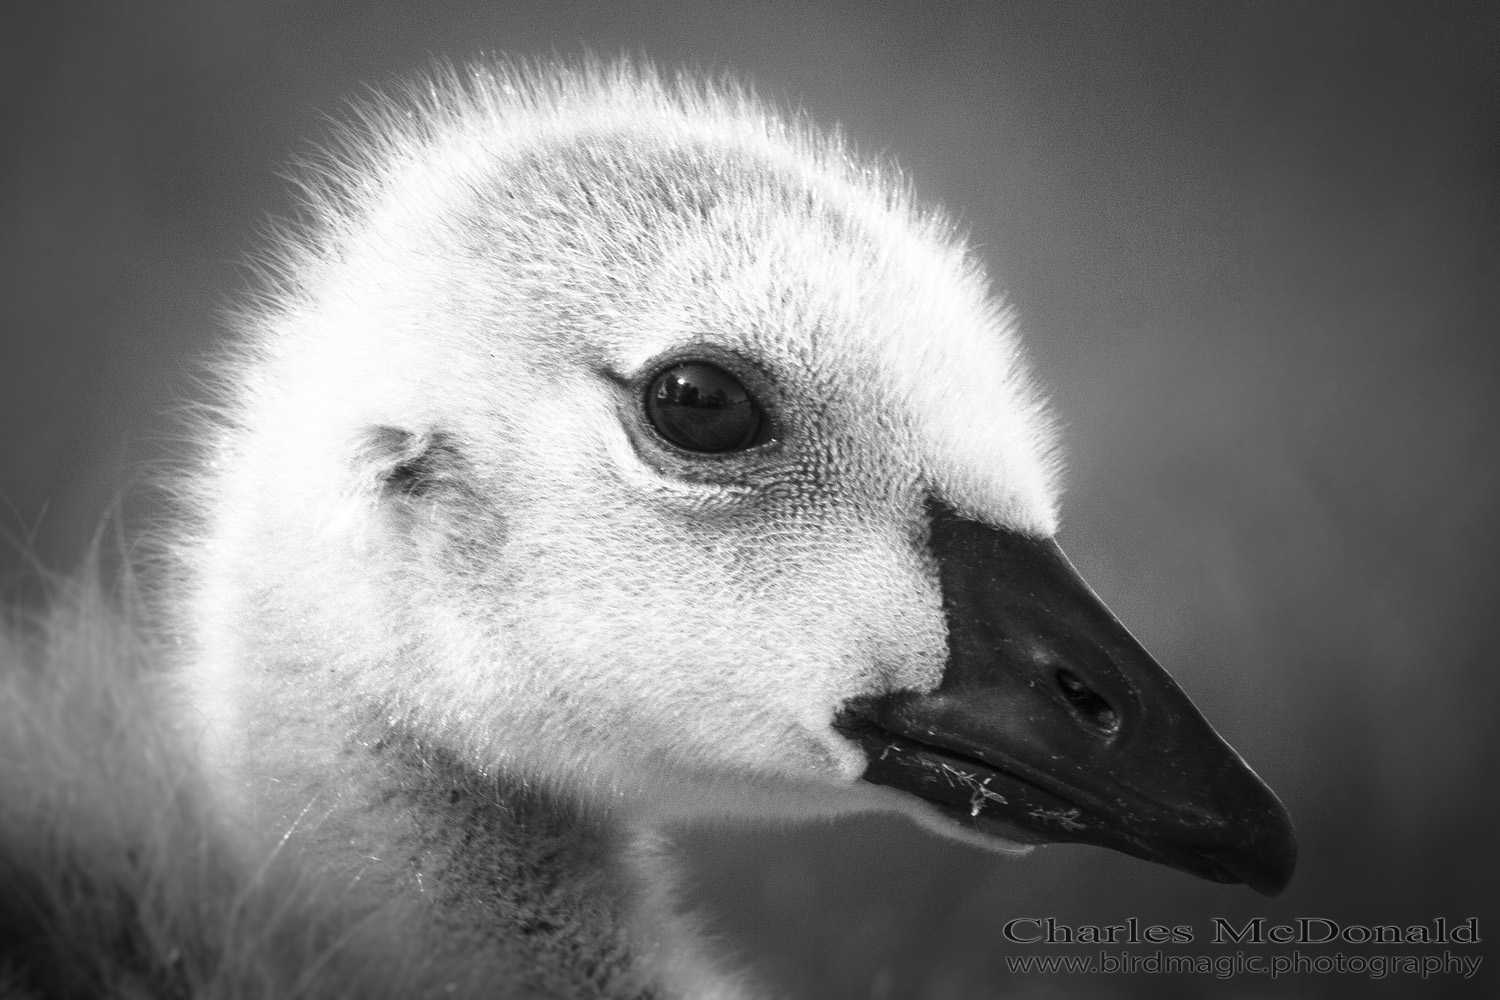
(493, 266)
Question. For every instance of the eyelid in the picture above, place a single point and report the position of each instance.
(749, 372)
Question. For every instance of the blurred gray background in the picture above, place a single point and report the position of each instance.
(1254, 247)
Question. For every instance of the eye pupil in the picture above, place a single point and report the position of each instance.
(700, 407)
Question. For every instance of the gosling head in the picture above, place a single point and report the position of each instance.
(619, 435)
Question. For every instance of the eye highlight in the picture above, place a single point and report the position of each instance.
(701, 407)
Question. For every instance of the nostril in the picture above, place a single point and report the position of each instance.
(1087, 703)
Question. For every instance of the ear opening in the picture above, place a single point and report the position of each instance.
(421, 486)
(408, 464)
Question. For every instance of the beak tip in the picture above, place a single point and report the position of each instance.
(1277, 875)
(1267, 863)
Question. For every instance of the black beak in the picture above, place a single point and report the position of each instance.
(1052, 723)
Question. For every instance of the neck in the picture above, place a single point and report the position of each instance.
(567, 899)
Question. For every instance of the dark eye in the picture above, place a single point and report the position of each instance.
(699, 407)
